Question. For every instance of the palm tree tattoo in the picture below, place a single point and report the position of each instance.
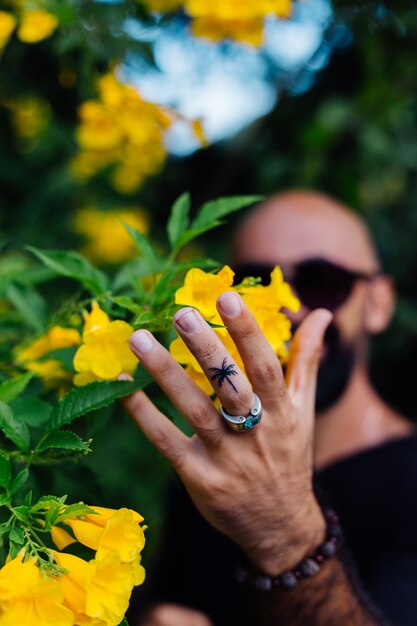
(223, 373)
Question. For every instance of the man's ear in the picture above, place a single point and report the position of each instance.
(380, 304)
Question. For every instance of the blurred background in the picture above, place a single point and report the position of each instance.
(320, 95)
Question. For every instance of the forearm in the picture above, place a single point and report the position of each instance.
(330, 598)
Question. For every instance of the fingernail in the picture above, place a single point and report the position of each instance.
(141, 341)
(188, 320)
(230, 303)
(125, 377)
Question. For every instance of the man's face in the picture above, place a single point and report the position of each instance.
(325, 255)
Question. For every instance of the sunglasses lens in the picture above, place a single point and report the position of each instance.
(317, 282)
(321, 284)
(253, 269)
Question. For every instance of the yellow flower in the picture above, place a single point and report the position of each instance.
(61, 538)
(98, 129)
(30, 117)
(227, 19)
(108, 239)
(29, 598)
(246, 31)
(105, 353)
(277, 329)
(113, 531)
(201, 289)
(273, 297)
(7, 26)
(235, 9)
(50, 370)
(163, 6)
(97, 592)
(120, 129)
(36, 25)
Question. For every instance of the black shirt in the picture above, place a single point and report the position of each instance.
(375, 495)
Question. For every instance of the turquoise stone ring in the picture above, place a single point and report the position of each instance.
(241, 423)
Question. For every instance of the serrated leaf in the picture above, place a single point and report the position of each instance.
(31, 410)
(52, 514)
(30, 304)
(13, 388)
(73, 265)
(45, 502)
(63, 439)
(19, 480)
(215, 210)
(178, 220)
(91, 397)
(4, 499)
(22, 513)
(74, 510)
(5, 472)
(145, 248)
(17, 535)
(17, 432)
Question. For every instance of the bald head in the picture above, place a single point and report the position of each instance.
(297, 225)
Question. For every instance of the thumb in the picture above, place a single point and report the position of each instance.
(304, 359)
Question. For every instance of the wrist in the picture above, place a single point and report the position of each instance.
(289, 542)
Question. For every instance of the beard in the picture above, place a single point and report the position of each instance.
(335, 369)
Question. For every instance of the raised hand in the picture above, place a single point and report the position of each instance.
(255, 486)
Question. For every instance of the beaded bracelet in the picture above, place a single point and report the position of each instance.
(309, 566)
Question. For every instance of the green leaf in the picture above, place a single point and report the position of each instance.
(178, 220)
(127, 303)
(17, 536)
(13, 388)
(30, 304)
(193, 233)
(215, 210)
(5, 472)
(22, 513)
(91, 397)
(124, 622)
(19, 480)
(63, 439)
(145, 248)
(31, 410)
(17, 432)
(4, 499)
(74, 510)
(45, 502)
(73, 265)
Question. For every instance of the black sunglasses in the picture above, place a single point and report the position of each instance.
(318, 283)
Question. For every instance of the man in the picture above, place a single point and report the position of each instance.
(256, 487)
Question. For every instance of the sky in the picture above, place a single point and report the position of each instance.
(230, 85)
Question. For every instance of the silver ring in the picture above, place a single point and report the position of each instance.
(241, 423)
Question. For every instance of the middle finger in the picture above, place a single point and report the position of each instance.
(225, 376)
